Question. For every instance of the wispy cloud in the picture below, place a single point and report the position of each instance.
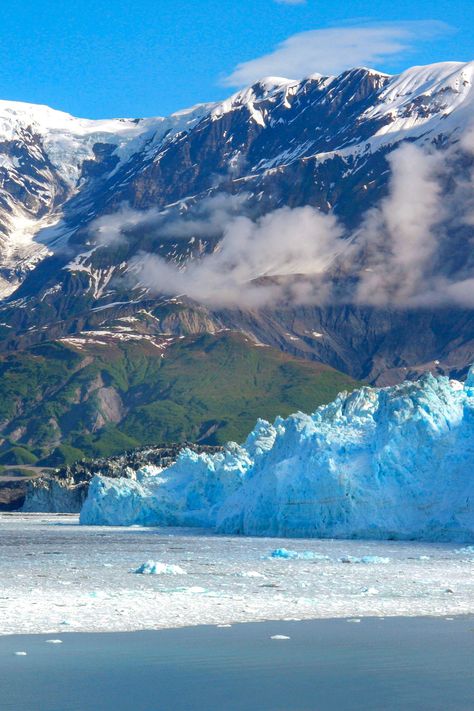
(413, 249)
(330, 51)
(400, 236)
(251, 260)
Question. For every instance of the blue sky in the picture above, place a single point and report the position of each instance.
(100, 58)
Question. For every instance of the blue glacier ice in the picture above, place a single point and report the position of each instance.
(152, 567)
(296, 555)
(385, 463)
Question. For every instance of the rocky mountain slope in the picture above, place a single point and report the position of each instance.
(63, 401)
(91, 210)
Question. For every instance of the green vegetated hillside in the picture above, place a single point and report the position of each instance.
(59, 403)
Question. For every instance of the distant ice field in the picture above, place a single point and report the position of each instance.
(57, 576)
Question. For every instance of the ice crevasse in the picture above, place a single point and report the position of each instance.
(395, 462)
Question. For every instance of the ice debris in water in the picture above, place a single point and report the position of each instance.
(20, 654)
(152, 567)
(279, 636)
(251, 574)
(388, 463)
(297, 555)
(467, 550)
(366, 559)
(54, 641)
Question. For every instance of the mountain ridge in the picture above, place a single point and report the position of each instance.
(325, 142)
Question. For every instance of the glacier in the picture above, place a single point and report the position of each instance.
(390, 463)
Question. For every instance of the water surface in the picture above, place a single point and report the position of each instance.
(414, 664)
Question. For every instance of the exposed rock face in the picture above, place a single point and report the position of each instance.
(12, 493)
(324, 142)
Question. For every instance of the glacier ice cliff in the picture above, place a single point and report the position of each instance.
(389, 463)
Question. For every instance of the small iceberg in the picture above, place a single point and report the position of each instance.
(365, 559)
(194, 590)
(152, 567)
(251, 574)
(297, 555)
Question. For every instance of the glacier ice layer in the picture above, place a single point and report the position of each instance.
(390, 463)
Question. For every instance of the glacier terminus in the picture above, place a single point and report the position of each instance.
(389, 463)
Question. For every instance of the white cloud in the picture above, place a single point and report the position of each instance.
(206, 219)
(330, 51)
(251, 259)
(412, 250)
(399, 236)
(403, 247)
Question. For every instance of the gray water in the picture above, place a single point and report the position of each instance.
(422, 664)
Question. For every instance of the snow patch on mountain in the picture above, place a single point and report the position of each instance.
(49, 157)
(69, 141)
(377, 463)
(423, 100)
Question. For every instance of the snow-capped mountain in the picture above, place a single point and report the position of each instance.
(46, 158)
(323, 142)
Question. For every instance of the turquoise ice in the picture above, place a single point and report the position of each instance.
(385, 463)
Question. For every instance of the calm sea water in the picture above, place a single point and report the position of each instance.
(409, 664)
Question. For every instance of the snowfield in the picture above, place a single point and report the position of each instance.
(60, 577)
(390, 463)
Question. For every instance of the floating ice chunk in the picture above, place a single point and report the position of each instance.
(54, 641)
(223, 625)
(21, 654)
(376, 559)
(251, 574)
(353, 619)
(283, 553)
(279, 636)
(297, 555)
(467, 550)
(152, 567)
(366, 559)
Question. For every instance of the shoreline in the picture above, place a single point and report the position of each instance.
(360, 619)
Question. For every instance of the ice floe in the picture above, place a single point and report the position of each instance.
(156, 568)
(73, 591)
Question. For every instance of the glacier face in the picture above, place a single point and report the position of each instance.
(378, 463)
